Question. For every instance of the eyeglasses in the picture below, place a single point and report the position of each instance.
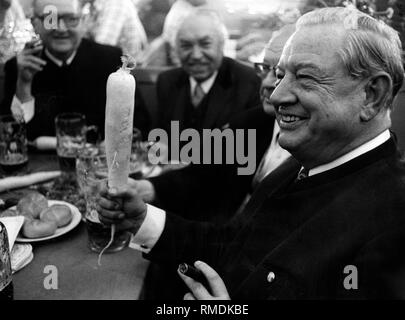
(69, 20)
(262, 69)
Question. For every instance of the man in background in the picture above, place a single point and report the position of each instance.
(208, 89)
(65, 74)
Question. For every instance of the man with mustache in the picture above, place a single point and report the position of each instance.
(208, 89)
(65, 74)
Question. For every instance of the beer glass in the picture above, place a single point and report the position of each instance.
(71, 132)
(13, 144)
(91, 171)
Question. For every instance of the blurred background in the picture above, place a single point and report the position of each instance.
(255, 20)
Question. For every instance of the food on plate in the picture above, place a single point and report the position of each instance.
(35, 228)
(32, 205)
(9, 213)
(58, 213)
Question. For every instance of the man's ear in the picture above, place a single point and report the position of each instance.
(378, 90)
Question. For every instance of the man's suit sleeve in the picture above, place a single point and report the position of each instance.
(196, 186)
(10, 82)
(187, 241)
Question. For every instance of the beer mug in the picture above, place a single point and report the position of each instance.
(91, 171)
(71, 132)
(13, 144)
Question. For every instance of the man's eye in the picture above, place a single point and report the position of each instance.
(304, 77)
(185, 46)
(205, 44)
(279, 76)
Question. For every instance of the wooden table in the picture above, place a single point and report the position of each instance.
(78, 274)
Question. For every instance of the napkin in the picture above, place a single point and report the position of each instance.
(21, 256)
(13, 226)
(27, 180)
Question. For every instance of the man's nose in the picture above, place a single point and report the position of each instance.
(196, 52)
(62, 25)
(283, 94)
(269, 81)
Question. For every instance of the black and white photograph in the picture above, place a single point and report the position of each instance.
(224, 152)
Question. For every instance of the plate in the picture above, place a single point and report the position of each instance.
(77, 217)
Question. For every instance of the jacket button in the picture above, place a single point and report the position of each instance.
(271, 277)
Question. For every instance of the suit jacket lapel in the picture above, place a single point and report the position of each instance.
(218, 96)
(182, 100)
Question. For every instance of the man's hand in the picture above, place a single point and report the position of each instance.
(28, 65)
(124, 208)
(144, 188)
(199, 292)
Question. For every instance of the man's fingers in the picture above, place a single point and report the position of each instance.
(30, 65)
(103, 188)
(31, 51)
(108, 204)
(110, 214)
(189, 296)
(35, 60)
(216, 283)
(196, 288)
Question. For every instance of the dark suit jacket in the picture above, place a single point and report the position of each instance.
(205, 193)
(306, 232)
(79, 87)
(214, 192)
(235, 89)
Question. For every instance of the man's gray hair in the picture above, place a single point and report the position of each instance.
(371, 46)
(214, 17)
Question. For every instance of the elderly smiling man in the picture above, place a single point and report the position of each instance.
(318, 226)
(209, 88)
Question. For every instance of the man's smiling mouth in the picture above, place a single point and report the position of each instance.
(288, 119)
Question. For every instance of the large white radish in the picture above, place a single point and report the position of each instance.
(120, 107)
(119, 114)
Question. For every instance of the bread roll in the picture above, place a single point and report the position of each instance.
(32, 205)
(60, 214)
(34, 228)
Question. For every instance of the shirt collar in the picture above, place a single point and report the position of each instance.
(59, 62)
(364, 148)
(205, 85)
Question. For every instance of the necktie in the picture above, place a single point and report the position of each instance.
(198, 95)
(64, 64)
(303, 174)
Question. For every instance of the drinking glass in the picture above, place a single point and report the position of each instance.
(91, 171)
(71, 132)
(13, 144)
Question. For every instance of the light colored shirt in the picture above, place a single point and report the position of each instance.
(59, 62)
(118, 24)
(205, 85)
(364, 148)
(153, 226)
(27, 109)
(274, 156)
